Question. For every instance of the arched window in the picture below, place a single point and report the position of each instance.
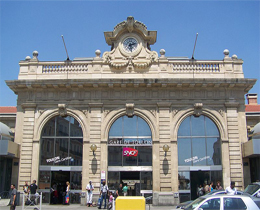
(126, 135)
(198, 142)
(59, 140)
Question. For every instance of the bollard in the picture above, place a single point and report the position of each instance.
(130, 203)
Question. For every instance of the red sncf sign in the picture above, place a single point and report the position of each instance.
(130, 152)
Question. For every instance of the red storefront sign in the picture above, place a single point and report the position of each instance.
(130, 152)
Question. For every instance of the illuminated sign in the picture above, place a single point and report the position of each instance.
(130, 152)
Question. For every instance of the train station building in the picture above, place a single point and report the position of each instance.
(162, 125)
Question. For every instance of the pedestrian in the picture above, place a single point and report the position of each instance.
(125, 188)
(231, 190)
(33, 188)
(206, 189)
(211, 186)
(89, 189)
(26, 188)
(119, 191)
(110, 203)
(218, 187)
(200, 190)
(13, 198)
(103, 192)
(67, 195)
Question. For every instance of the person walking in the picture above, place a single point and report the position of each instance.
(89, 189)
(125, 188)
(119, 191)
(231, 190)
(67, 195)
(13, 198)
(103, 192)
(33, 189)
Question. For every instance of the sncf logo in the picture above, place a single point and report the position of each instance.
(130, 152)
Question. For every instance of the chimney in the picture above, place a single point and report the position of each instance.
(251, 98)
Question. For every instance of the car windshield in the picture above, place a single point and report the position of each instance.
(194, 204)
(252, 188)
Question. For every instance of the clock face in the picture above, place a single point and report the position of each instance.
(130, 44)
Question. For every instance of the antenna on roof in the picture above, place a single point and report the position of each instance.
(65, 48)
(194, 46)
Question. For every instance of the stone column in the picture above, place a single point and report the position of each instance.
(29, 156)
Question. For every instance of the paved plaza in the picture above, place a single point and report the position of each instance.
(79, 207)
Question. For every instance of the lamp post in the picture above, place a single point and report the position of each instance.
(93, 148)
(165, 149)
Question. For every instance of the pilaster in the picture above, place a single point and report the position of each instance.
(235, 154)
(28, 172)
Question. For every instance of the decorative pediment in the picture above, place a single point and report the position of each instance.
(130, 43)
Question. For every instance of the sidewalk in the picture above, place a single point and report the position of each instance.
(79, 207)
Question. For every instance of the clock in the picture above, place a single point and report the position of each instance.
(130, 44)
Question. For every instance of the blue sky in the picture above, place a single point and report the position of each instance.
(38, 25)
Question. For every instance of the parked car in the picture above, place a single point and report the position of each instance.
(214, 192)
(253, 189)
(222, 202)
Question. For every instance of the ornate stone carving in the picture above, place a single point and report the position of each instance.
(62, 110)
(221, 112)
(130, 109)
(198, 109)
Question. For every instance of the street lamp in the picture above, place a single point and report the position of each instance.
(165, 149)
(93, 148)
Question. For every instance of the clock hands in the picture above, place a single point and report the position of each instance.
(131, 46)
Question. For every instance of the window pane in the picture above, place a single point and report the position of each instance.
(214, 151)
(147, 180)
(211, 128)
(184, 152)
(130, 126)
(49, 128)
(199, 151)
(129, 160)
(113, 180)
(76, 152)
(75, 128)
(211, 204)
(184, 129)
(234, 204)
(75, 180)
(184, 180)
(197, 126)
(62, 127)
(144, 156)
(115, 156)
(117, 128)
(47, 151)
(143, 128)
(61, 150)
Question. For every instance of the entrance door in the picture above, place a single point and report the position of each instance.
(132, 180)
(198, 178)
(58, 184)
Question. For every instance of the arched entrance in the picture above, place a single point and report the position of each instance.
(130, 155)
(61, 159)
(199, 155)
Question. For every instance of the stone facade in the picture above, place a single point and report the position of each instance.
(132, 80)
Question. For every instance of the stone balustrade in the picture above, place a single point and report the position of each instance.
(198, 66)
(63, 67)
